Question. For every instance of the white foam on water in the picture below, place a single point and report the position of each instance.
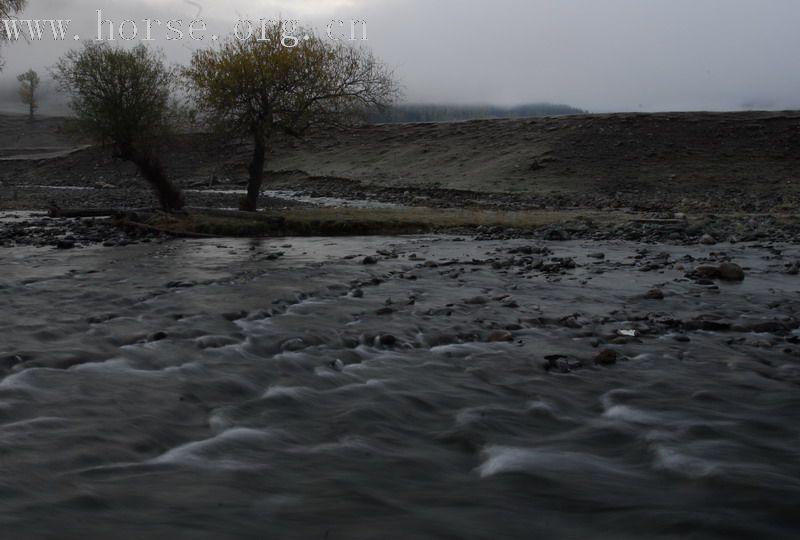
(219, 421)
(38, 422)
(31, 379)
(652, 357)
(358, 385)
(293, 392)
(475, 414)
(458, 349)
(632, 415)
(547, 462)
(120, 365)
(669, 459)
(217, 342)
(225, 450)
(351, 443)
(540, 406)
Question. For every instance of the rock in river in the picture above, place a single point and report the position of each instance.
(708, 240)
(606, 357)
(705, 272)
(497, 336)
(729, 271)
(654, 294)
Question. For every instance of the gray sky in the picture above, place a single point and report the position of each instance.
(601, 55)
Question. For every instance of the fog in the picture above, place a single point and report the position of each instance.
(600, 55)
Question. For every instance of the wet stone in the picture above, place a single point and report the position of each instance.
(294, 344)
(66, 243)
(729, 271)
(606, 357)
(500, 336)
(180, 284)
(561, 364)
(706, 272)
(234, 315)
(708, 240)
(654, 294)
(157, 336)
(387, 340)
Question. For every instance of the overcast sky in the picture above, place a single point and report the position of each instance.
(601, 55)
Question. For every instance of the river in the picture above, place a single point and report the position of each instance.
(281, 388)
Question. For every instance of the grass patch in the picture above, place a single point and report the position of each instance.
(360, 221)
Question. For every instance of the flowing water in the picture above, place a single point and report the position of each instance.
(277, 194)
(209, 390)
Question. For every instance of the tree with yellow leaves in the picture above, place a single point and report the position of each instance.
(124, 97)
(28, 83)
(261, 86)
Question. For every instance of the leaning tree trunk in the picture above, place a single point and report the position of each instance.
(150, 167)
(256, 170)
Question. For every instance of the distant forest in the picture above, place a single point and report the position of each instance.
(452, 113)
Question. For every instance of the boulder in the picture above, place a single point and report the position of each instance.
(729, 271)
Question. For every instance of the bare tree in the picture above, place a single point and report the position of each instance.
(7, 10)
(123, 97)
(263, 85)
(29, 82)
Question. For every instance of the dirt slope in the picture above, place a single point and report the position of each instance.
(748, 159)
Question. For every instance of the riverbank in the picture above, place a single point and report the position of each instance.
(39, 229)
(699, 163)
(125, 227)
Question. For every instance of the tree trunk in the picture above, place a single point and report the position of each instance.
(150, 167)
(256, 170)
(31, 110)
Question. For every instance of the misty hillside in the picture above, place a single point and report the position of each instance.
(405, 113)
(51, 102)
(639, 160)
